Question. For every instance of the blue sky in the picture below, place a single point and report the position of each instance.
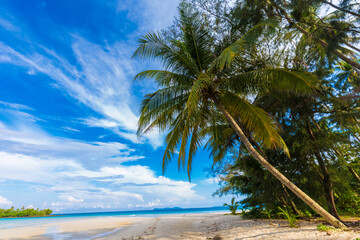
(69, 109)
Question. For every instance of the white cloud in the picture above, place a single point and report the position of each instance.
(7, 25)
(57, 165)
(78, 174)
(212, 180)
(106, 80)
(155, 138)
(157, 14)
(103, 123)
(155, 203)
(15, 106)
(70, 129)
(55, 204)
(33, 169)
(4, 202)
(114, 126)
(142, 179)
(74, 200)
(17, 111)
(78, 187)
(33, 141)
(101, 79)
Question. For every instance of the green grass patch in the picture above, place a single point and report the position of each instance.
(324, 228)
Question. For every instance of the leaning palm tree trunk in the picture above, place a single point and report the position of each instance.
(297, 191)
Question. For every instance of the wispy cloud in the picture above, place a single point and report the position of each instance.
(81, 174)
(106, 76)
(73, 184)
(150, 15)
(15, 106)
(101, 79)
(213, 180)
(74, 200)
(155, 203)
(85, 174)
(4, 202)
(8, 25)
(25, 136)
(36, 142)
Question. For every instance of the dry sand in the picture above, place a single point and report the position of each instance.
(189, 226)
(81, 228)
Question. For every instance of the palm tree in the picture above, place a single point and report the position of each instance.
(329, 35)
(200, 89)
(233, 206)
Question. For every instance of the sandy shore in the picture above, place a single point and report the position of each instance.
(87, 228)
(189, 226)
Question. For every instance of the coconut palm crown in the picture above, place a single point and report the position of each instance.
(196, 79)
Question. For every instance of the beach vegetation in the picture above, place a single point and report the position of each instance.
(321, 131)
(24, 212)
(324, 228)
(270, 89)
(286, 214)
(267, 213)
(233, 206)
(307, 213)
(254, 213)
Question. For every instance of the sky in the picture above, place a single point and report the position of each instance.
(69, 110)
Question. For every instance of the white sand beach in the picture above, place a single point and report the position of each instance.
(178, 226)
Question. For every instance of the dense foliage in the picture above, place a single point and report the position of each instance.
(273, 82)
(322, 131)
(24, 212)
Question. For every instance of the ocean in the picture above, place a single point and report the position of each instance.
(56, 218)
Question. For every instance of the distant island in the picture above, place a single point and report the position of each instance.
(187, 209)
(173, 208)
(24, 212)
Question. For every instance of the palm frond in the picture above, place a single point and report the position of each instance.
(196, 37)
(159, 109)
(256, 120)
(173, 139)
(195, 94)
(249, 38)
(280, 79)
(194, 145)
(154, 46)
(164, 78)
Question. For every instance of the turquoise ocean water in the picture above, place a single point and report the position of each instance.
(31, 221)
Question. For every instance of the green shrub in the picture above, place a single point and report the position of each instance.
(349, 204)
(307, 213)
(289, 216)
(324, 228)
(267, 212)
(232, 206)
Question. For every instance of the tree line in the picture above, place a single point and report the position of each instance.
(24, 212)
